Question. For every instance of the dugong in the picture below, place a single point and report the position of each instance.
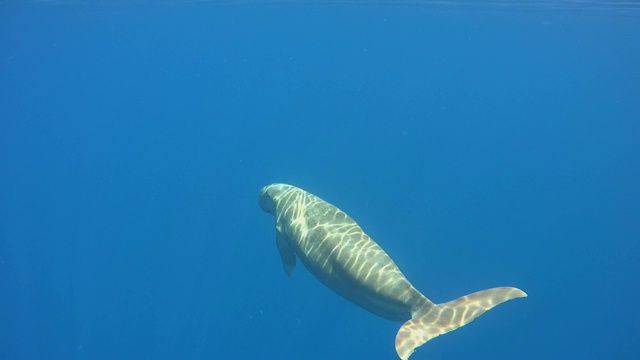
(338, 253)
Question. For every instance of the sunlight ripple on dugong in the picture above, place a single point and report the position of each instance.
(339, 254)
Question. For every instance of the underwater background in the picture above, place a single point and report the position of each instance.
(480, 144)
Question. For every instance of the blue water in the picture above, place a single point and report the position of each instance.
(479, 145)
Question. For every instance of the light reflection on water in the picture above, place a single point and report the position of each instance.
(575, 6)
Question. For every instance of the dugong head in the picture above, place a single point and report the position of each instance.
(268, 196)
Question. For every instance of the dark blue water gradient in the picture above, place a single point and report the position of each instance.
(479, 147)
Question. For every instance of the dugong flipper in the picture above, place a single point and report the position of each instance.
(337, 252)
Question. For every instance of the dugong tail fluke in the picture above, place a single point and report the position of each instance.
(334, 248)
(442, 318)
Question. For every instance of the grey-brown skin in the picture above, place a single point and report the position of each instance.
(338, 253)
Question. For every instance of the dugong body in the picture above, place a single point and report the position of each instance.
(336, 251)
